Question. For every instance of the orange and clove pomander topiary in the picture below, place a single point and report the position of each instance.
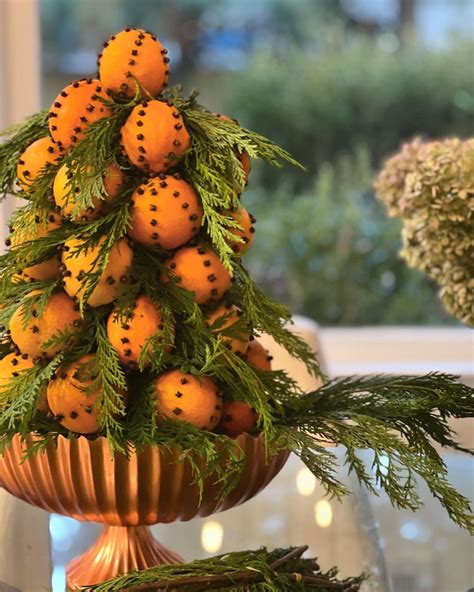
(165, 214)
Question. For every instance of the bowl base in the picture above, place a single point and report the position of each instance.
(119, 550)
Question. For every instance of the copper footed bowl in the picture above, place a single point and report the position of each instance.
(80, 478)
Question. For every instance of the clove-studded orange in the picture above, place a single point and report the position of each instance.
(257, 356)
(35, 158)
(194, 399)
(154, 136)
(77, 106)
(224, 317)
(237, 418)
(11, 366)
(59, 315)
(64, 191)
(70, 400)
(44, 223)
(134, 60)
(166, 213)
(246, 221)
(129, 333)
(78, 266)
(198, 269)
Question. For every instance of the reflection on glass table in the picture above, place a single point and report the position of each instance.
(424, 551)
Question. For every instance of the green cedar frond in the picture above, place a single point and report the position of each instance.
(212, 166)
(269, 317)
(19, 398)
(101, 141)
(109, 380)
(281, 570)
(398, 419)
(22, 135)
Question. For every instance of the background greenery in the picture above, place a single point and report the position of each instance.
(340, 92)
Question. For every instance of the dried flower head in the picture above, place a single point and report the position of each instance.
(430, 187)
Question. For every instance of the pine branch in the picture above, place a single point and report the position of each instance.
(252, 571)
(398, 418)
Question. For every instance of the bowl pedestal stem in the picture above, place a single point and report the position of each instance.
(119, 550)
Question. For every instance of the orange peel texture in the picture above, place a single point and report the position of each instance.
(237, 418)
(45, 270)
(154, 136)
(224, 317)
(60, 314)
(134, 58)
(257, 356)
(69, 401)
(199, 270)
(247, 222)
(64, 191)
(185, 397)
(77, 267)
(75, 108)
(129, 334)
(166, 213)
(33, 160)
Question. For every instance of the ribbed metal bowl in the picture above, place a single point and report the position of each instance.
(80, 478)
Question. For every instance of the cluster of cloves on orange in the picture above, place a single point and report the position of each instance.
(165, 212)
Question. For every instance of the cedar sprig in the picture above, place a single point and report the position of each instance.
(212, 166)
(21, 136)
(89, 158)
(270, 317)
(281, 570)
(33, 251)
(398, 419)
(18, 294)
(19, 398)
(110, 381)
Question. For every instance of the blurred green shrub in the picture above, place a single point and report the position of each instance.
(332, 254)
(323, 103)
(323, 244)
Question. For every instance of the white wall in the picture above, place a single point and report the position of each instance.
(24, 534)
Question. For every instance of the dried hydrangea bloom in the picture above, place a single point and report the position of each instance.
(390, 183)
(457, 293)
(431, 188)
